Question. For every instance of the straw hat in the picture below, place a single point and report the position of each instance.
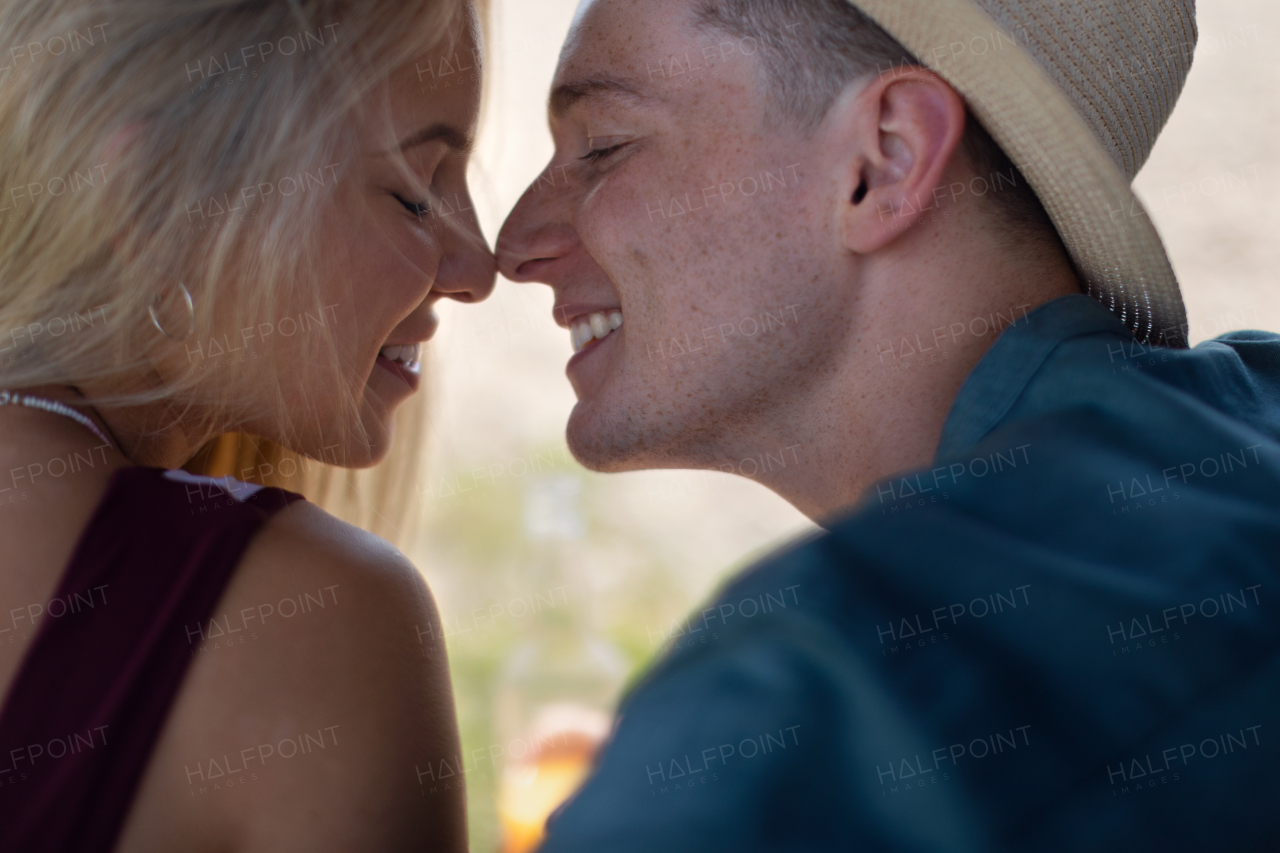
(1075, 92)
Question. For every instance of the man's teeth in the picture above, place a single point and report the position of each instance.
(409, 355)
(594, 328)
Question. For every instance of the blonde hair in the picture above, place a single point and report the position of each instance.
(126, 128)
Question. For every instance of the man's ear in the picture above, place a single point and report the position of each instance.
(899, 133)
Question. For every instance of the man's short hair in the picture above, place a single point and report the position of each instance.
(812, 49)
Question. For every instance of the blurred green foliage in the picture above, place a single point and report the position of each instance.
(477, 556)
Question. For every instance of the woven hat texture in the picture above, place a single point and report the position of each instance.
(1075, 92)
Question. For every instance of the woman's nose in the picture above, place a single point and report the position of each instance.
(468, 270)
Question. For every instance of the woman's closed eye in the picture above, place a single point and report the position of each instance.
(419, 209)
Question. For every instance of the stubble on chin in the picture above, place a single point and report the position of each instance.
(620, 440)
(603, 444)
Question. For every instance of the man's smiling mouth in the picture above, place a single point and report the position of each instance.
(593, 327)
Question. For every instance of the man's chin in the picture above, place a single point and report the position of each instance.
(605, 447)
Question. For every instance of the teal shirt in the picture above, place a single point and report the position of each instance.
(1062, 635)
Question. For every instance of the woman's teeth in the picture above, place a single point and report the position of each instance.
(408, 355)
(595, 327)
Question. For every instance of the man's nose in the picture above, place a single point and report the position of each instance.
(537, 237)
(468, 270)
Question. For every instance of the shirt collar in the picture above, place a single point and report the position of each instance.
(1002, 374)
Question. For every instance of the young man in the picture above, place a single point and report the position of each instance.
(884, 258)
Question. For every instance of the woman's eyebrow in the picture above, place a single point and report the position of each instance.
(439, 131)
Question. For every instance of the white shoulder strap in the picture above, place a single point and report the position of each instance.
(238, 489)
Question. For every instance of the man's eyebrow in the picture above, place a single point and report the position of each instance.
(451, 136)
(566, 95)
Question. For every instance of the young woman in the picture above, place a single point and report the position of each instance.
(220, 216)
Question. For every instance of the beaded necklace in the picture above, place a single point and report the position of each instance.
(9, 398)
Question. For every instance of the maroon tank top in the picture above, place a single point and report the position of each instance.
(111, 650)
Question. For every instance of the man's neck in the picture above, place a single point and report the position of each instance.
(884, 410)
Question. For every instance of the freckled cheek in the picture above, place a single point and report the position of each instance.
(610, 201)
(612, 225)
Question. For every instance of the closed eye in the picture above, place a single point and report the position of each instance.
(419, 209)
(595, 155)
(600, 154)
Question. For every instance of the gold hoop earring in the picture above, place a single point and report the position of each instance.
(191, 315)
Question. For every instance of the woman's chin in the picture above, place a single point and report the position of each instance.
(356, 444)
(378, 434)
(364, 452)
(370, 455)
(367, 444)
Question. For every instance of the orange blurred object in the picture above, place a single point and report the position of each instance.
(562, 745)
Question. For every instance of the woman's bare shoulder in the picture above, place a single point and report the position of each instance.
(315, 694)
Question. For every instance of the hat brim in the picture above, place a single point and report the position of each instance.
(1104, 226)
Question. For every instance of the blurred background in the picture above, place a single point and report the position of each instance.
(557, 585)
